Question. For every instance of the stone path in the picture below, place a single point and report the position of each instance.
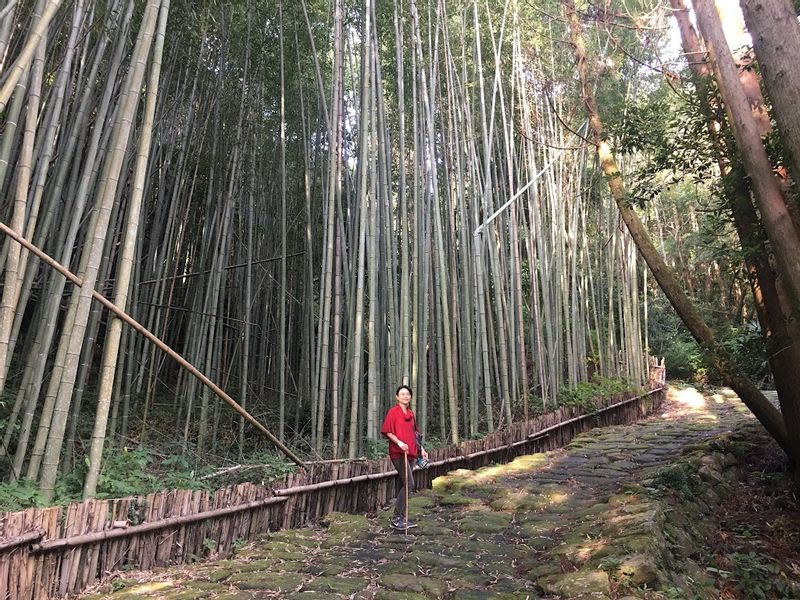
(576, 522)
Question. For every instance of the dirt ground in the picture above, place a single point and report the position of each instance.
(756, 545)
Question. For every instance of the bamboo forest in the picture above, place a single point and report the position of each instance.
(232, 228)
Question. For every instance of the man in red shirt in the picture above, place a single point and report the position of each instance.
(400, 428)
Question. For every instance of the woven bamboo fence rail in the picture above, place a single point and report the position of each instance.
(57, 551)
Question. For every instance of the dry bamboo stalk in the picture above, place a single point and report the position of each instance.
(155, 340)
(23, 569)
(116, 515)
(11, 530)
(182, 539)
(88, 538)
(66, 558)
(17, 540)
(80, 569)
(47, 574)
(102, 514)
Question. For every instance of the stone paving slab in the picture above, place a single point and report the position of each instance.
(570, 523)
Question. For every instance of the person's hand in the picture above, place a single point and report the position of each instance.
(424, 454)
(403, 446)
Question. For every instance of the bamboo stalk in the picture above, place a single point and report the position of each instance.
(155, 340)
(21, 540)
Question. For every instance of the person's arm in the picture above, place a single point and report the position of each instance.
(401, 444)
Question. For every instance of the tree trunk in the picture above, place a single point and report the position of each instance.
(775, 32)
(783, 352)
(109, 182)
(767, 191)
(666, 278)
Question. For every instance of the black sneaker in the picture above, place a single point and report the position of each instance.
(401, 525)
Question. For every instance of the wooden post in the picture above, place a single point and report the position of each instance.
(405, 487)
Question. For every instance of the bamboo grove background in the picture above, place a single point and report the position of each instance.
(313, 202)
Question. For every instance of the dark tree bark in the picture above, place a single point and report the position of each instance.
(776, 40)
(766, 188)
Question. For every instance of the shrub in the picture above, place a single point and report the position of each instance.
(585, 393)
(19, 495)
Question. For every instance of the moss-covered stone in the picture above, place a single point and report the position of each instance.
(509, 501)
(337, 585)
(484, 523)
(452, 482)
(538, 570)
(221, 574)
(401, 582)
(428, 529)
(523, 464)
(394, 595)
(596, 509)
(353, 525)
(434, 587)
(636, 544)
(308, 538)
(420, 503)
(620, 524)
(638, 570)
(271, 550)
(457, 500)
(139, 590)
(577, 584)
(537, 526)
(195, 589)
(580, 552)
(274, 582)
(437, 559)
(234, 595)
(328, 567)
(540, 542)
(264, 564)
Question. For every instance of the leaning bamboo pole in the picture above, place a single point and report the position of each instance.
(138, 327)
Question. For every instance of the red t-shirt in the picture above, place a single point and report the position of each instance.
(404, 426)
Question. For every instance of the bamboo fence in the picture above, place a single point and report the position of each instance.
(53, 552)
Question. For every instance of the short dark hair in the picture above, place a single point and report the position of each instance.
(404, 387)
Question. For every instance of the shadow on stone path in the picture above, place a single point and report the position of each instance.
(572, 523)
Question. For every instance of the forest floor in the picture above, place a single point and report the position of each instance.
(755, 543)
(693, 502)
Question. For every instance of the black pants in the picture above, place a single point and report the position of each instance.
(400, 503)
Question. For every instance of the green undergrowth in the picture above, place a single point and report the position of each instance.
(585, 394)
(19, 495)
(125, 472)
